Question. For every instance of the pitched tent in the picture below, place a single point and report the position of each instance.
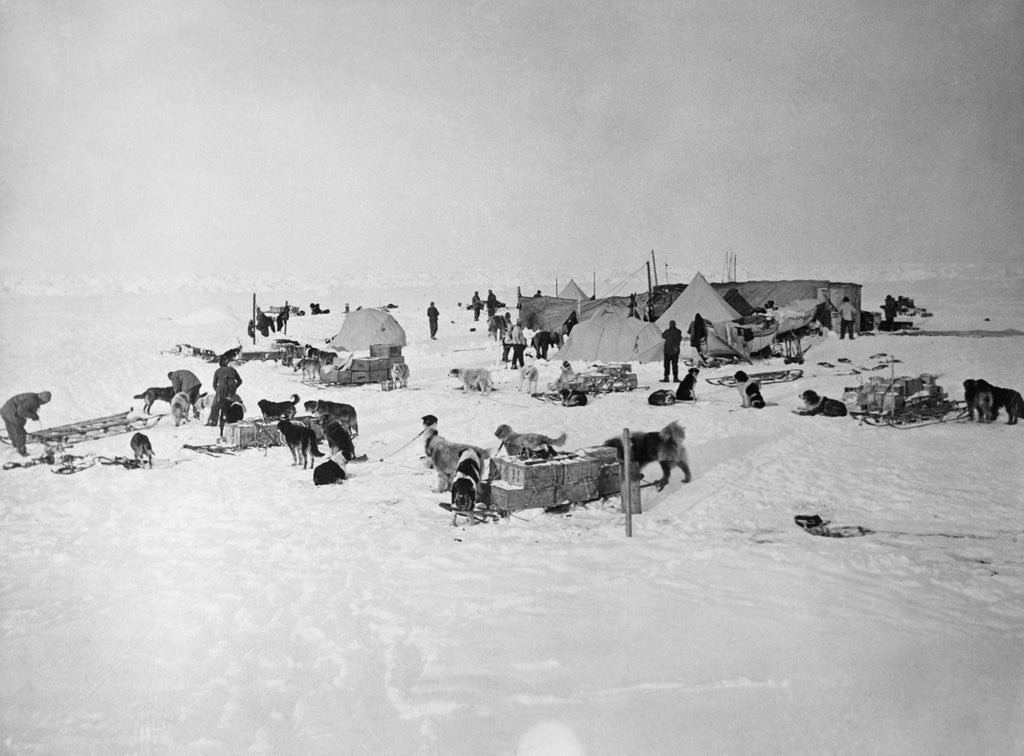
(572, 291)
(361, 328)
(613, 338)
(698, 297)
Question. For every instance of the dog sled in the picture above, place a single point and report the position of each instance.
(915, 413)
(87, 430)
(903, 402)
(771, 376)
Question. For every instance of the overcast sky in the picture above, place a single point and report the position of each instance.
(295, 134)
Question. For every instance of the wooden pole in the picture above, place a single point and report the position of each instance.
(595, 284)
(625, 484)
(654, 264)
(254, 324)
(287, 312)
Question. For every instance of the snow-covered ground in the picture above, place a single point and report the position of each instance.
(226, 605)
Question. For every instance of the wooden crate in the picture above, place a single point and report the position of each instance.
(500, 495)
(251, 433)
(385, 350)
(527, 473)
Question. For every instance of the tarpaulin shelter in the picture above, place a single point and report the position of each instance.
(782, 293)
(572, 291)
(550, 313)
(361, 328)
(613, 338)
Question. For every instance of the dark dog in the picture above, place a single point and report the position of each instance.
(989, 399)
(337, 437)
(464, 483)
(142, 449)
(573, 398)
(821, 405)
(687, 391)
(343, 413)
(661, 398)
(750, 391)
(664, 447)
(970, 396)
(331, 471)
(301, 441)
(229, 356)
(278, 410)
(233, 411)
(153, 394)
(325, 357)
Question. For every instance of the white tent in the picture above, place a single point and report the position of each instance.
(699, 297)
(613, 338)
(361, 328)
(572, 291)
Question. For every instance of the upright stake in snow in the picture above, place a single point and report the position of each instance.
(625, 484)
(254, 324)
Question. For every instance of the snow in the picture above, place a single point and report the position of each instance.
(226, 605)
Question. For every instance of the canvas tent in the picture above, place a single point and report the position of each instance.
(698, 297)
(361, 328)
(613, 338)
(572, 291)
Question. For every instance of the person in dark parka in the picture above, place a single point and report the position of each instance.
(673, 338)
(17, 411)
(185, 380)
(432, 316)
(226, 381)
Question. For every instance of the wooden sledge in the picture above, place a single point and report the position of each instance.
(85, 430)
(771, 376)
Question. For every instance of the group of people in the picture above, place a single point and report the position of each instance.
(477, 304)
(673, 337)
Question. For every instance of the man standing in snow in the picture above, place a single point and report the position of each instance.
(673, 338)
(432, 315)
(846, 316)
(518, 340)
(19, 409)
(226, 381)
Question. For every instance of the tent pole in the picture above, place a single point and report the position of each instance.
(625, 484)
(654, 265)
(285, 319)
(254, 317)
(595, 284)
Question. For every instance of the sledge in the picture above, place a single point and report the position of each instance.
(86, 430)
(915, 413)
(473, 515)
(771, 376)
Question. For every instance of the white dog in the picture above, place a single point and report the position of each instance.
(529, 374)
(400, 375)
(475, 378)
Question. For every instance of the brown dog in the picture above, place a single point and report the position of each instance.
(444, 456)
(514, 443)
(142, 449)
